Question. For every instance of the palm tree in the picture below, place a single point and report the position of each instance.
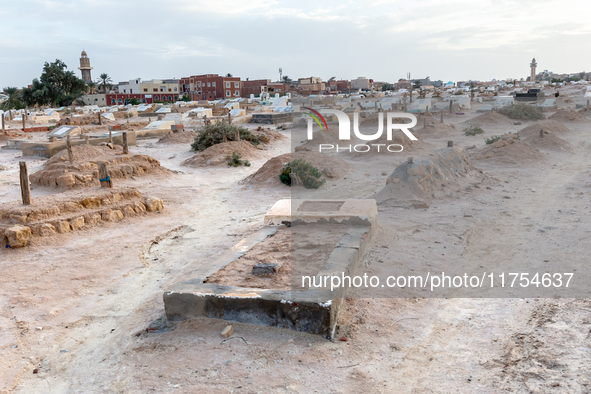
(13, 101)
(105, 81)
(91, 87)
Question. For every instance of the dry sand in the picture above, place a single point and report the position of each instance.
(85, 311)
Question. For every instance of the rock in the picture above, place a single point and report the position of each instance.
(18, 219)
(128, 211)
(47, 230)
(83, 178)
(3, 167)
(112, 216)
(72, 207)
(154, 204)
(265, 269)
(384, 173)
(139, 207)
(66, 180)
(110, 145)
(227, 332)
(92, 219)
(422, 205)
(91, 202)
(63, 227)
(18, 236)
(75, 224)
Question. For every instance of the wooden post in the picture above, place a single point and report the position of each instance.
(23, 117)
(3, 126)
(110, 136)
(229, 118)
(224, 138)
(205, 120)
(450, 144)
(86, 139)
(587, 105)
(25, 186)
(99, 116)
(237, 136)
(125, 147)
(69, 146)
(104, 177)
(450, 106)
(441, 115)
(541, 133)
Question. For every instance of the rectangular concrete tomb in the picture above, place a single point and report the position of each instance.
(290, 292)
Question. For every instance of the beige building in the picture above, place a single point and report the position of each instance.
(99, 99)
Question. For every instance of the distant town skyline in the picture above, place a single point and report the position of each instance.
(378, 39)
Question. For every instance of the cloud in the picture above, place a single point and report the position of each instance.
(380, 39)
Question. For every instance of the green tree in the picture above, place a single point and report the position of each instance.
(286, 79)
(229, 75)
(14, 99)
(56, 86)
(105, 82)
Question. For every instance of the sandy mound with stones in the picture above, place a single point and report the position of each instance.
(183, 137)
(217, 154)
(489, 118)
(445, 173)
(331, 167)
(549, 141)
(551, 126)
(568, 115)
(58, 171)
(509, 150)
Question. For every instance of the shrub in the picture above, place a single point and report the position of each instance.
(214, 134)
(300, 172)
(236, 160)
(473, 130)
(493, 139)
(522, 112)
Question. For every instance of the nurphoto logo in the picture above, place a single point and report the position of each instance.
(345, 130)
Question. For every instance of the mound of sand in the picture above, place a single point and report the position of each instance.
(331, 167)
(272, 135)
(551, 126)
(217, 154)
(183, 137)
(568, 115)
(509, 150)
(489, 118)
(58, 171)
(330, 137)
(443, 174)
(434, 128)
(549, 140)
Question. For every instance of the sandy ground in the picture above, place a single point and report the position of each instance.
(84, 310)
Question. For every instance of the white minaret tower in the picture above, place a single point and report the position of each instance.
(532, 65)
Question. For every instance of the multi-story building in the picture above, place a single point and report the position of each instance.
(211, 87)
(254, 87)
(312, 85)
(361, 83)
(155, 90)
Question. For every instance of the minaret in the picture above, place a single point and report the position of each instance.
(85, 67)
(533, 64)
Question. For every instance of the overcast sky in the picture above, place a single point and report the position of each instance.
(379, 39)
